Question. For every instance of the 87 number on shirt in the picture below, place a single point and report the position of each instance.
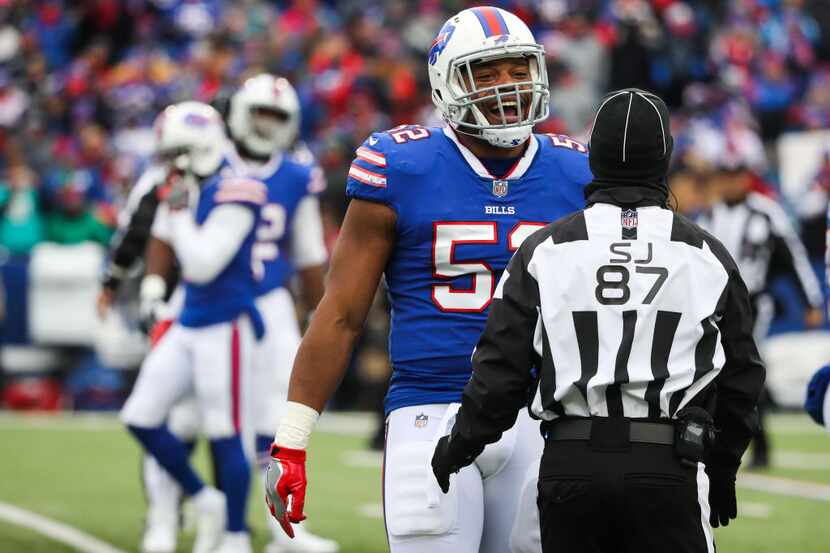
(613, 279)
(448, 235)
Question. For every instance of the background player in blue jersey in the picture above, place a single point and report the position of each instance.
(209, 352)
(438, 212)
(262, 121)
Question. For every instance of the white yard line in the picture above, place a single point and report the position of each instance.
(363, 459)
(371, 510)
(800, 460)
(59, 421)
(55, 530)
(794, 423)
(360, 423)
(353, 423)
(785, 486)
(754, 510)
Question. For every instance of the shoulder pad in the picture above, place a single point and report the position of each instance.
(404, 150)
(563, 141)
(301, 154)
(242, 190)
(307, 175)
(570, 155)
(407, 149)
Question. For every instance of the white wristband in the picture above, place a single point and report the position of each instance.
(153, 287)
(296, 425)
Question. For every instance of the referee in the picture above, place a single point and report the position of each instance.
(758, 234)
(628, 331)
(130, 244)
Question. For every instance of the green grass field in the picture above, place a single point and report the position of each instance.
(84, 472)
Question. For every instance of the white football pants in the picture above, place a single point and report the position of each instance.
(211, 364)
(274, 357)
(491, 505)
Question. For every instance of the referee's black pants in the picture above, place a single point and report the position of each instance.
(639, 499)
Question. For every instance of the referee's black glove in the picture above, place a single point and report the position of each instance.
(451, 456)
(723, 505)
(443, 464)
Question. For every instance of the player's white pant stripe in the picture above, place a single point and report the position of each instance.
(369, 156)
(367, 177)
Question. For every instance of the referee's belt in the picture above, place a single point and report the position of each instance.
(639, 431)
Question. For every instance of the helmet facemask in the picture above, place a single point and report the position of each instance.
(467, 108)
(264, 116)
(271, 130)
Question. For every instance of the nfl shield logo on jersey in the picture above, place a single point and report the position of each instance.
(628, 220)
(500, 188)
(421, 420)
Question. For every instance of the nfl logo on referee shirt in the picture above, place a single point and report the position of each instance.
(500, 188)
(421, 420)
(628, 221)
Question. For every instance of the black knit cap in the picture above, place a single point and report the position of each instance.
(631, 142)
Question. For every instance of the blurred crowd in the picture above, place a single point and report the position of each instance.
(82, 81)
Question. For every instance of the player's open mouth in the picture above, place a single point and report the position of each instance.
(511, 111)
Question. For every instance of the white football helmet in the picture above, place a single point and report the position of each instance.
(262, 134)
(190, 137)
(479, 35)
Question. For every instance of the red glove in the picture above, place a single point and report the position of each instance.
(159, 329)
(285, 484)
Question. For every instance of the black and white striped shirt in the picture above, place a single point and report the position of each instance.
(623, 313)
(758, 234)
(134, 223)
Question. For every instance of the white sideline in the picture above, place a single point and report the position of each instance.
(55, 530)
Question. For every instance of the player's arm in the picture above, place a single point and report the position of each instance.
(128, 244)
(741, 379)
(159, 272)
(205, 250)
(502, 362)
(159, 268)
(363, 248)
(309, 250)
(360, 255)
(789, 255)
(739, 385)
(312, 285)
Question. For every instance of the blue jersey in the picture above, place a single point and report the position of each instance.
(457, 227)
(289, 180)
(233, 291)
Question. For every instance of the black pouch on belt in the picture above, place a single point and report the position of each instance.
(694, 431)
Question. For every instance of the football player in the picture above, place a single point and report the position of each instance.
(263, 121)
(160, 302)
(208, 352)
(439, 212)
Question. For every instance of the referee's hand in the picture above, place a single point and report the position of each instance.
(442, 464)
(723, 505)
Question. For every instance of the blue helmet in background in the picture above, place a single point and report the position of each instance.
(816, 392)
